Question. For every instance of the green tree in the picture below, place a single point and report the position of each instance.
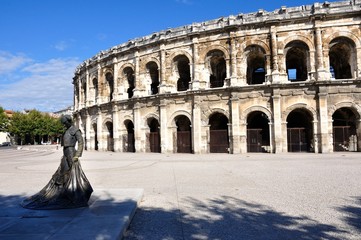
(4, 121)
(31, 127)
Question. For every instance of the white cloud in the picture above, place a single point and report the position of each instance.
(188, 2)
(10, 62)
(47, 86)
(61, 46)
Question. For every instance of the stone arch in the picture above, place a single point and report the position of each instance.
(109, 131)
(342, 58)
(262, 109)
(356, 109)
(153, 134)
(300, 38)
(209, 112)
(128, 138)
(171, 122)
(144, 61)
(218, 133)
(255, 59)
(256, 42)
(335, 34)
(297, 60)
(216, 64)
(153, 73)
(293, 107)
(217, 47)
(127, 76)
(181, 69)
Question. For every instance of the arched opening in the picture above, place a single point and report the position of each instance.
(184, 134)
(218, 133)
(256, 65)
(129, 75)
(110, 136)
(296, 61)
(96, 89)
(344, 130)
(154, 135)
(184, 73)
(84, 91)
(129, 139)
(217, 69)
(341, 56)
(299, 131)
(110, 80)
(95, 129)
(258, 138)
(152, 68)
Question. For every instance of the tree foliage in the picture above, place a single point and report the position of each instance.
(4, 121)
(33, 126)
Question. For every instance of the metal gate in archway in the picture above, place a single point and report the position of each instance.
(154, 142)
(184, 142)
(343, 140)
(254, 140)
(297, 140)
(219, 141)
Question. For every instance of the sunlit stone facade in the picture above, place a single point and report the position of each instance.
(282, 81)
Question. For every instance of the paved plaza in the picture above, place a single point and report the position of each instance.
(214, 196)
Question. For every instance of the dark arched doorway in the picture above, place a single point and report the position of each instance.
(344, 130)
(153, 135)
(129, 140)
(258, 138)
(299, 131)
(110, 136)
(218, 133)
(184, 134)
(95, 129)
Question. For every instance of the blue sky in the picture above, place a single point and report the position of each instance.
(43, 41)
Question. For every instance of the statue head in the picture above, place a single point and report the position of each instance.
(66, 120)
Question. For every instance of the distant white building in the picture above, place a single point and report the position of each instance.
(67, 111)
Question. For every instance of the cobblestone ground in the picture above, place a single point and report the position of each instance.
(215, 196)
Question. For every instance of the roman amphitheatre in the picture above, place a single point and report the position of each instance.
(277, 81)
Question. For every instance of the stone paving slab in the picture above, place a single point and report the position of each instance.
(109, 213)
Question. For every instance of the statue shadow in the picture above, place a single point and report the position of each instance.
(225, 218)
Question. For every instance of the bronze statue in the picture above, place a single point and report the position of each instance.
(69, 187)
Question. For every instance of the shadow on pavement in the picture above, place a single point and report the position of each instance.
(225, 218)
(352, 214)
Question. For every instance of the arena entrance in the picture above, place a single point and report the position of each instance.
(110, 136)
(153, 135)
(299, 131)
(95, 128)
(184, 134)
(218, 133)
(128, 139)
(344, 130)
(258, 138)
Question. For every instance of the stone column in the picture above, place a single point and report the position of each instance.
(163, 84)
(320, 68)
(275, 71)
(196, 126)
(164, 138)
(101, 142)
(277, 115)
(116, 133)
(196, 71)
(324, 134)
(116, 79)
(88, 130)
(233, 56)
(235, 130)
(138, 128)
(138, 84)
